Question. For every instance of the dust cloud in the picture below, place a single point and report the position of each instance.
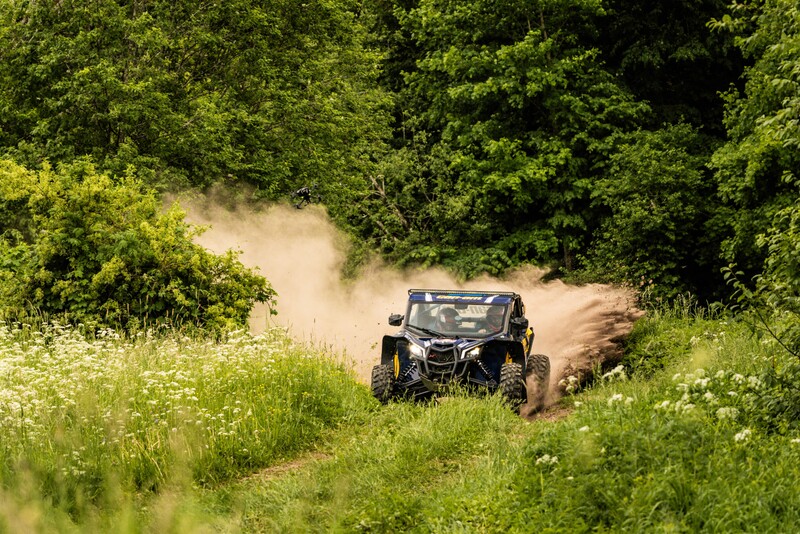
(301, 254)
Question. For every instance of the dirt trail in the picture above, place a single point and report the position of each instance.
(301, 253)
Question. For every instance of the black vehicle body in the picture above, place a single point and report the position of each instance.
(428, 354)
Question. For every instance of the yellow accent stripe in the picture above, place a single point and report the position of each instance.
(525, 340)
(508, 357)
(396, 365)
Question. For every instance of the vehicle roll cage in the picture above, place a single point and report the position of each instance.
(462, 292)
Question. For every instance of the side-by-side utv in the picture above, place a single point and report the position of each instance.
(480, 339)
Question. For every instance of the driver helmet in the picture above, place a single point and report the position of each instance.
(448, 318)
(494, 317)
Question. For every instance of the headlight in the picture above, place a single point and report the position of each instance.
(471, 353)
(417, 351)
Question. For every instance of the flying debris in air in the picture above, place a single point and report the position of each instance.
(306, 195)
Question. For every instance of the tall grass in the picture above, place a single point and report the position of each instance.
(682, 451)
(382, 478)
(699, 431)
(680, 448)
(87, 422)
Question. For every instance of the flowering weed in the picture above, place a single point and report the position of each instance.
(77, 412)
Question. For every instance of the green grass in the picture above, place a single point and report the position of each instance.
(698, 433)
(677, 452)
(91, 425)
(381, 478)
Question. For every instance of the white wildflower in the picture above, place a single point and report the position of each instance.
(727, 412)
(743, 435)
(702, 383)
(617, 373)
(547, 460)
(615, 398)
(662, 405)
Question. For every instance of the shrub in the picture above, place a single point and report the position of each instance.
(95, 249)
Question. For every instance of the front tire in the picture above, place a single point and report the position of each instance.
(383, 382)
(538, 375)
(512, 384)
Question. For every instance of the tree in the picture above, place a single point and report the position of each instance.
(757, 169)
(666, 55)
(273, 94)
(513, 116)
(91, 248)
(661, 232)
(779, 285)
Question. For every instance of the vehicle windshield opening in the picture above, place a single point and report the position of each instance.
(457, 319)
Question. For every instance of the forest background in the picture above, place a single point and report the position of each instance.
(647, 144)
(650, 144)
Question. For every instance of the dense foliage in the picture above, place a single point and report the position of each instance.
(665, 54)
(192, 93)
(515, 117)
(576, 134)
(610, 140)
(758, 167)
(89, 248)
(661, 216)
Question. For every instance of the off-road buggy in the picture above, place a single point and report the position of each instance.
(479, 339)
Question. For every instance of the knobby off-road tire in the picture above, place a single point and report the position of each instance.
(383, 382)
(538, 378)
(512, 384)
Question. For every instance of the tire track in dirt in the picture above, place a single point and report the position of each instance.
(301, 254)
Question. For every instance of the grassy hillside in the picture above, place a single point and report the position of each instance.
(92, 427)
(167, 433)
